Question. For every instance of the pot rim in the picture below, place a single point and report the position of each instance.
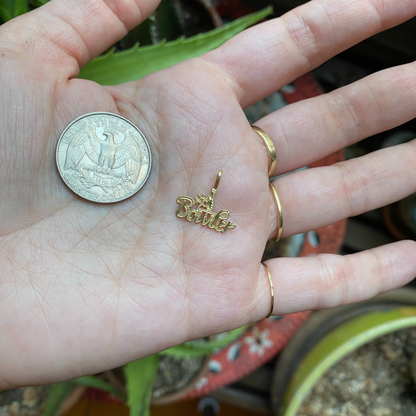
(319, 324)
(339, 343)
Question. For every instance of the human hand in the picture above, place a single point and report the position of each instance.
(87, 287)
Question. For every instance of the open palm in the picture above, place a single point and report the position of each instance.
(87, 287)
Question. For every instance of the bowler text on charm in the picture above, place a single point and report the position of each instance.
(200, 210)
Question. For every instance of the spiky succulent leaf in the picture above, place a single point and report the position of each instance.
(140, 379)
(135, 63)
(200, 348)
(38, 3)
(12, 8)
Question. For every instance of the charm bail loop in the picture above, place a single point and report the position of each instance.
(214, 189)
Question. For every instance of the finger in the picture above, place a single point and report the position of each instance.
(317, 197)
(309, 130)
(268, 56)
(68, 34)
(329, 280)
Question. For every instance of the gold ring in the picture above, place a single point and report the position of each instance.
(270, 148)
(279, 214)
(271, 289)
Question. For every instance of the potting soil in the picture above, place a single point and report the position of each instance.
(375, 380)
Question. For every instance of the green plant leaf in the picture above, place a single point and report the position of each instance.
(98, 383)
(58, 393)
(140, 379)
(135, 63)
(200, 348)
(38, 3)
(12, 8)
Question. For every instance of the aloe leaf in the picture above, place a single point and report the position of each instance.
(201, 348)
(38, 3)
(58, 393)
(98, 383)
(140, 379)
(4, 14)
(135, 63)
(12, 8)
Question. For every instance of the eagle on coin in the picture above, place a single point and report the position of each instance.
(105, 154)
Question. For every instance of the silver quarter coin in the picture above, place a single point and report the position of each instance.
(103, 157)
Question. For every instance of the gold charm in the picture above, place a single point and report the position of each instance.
(200, 210)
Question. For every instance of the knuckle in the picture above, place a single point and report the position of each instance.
(334, 280)
(355, 186)
(302, 35)
(344, 115)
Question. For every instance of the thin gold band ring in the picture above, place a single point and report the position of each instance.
(271, 289)
(270, 148)
(278, 212)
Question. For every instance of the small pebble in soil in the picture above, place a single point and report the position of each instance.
(26, 401)
(375, 380)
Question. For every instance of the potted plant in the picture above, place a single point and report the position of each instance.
(366, 348)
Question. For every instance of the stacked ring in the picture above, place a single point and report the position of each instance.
(270, 148)
(279, 231)
(272, 167)
(271, 290)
